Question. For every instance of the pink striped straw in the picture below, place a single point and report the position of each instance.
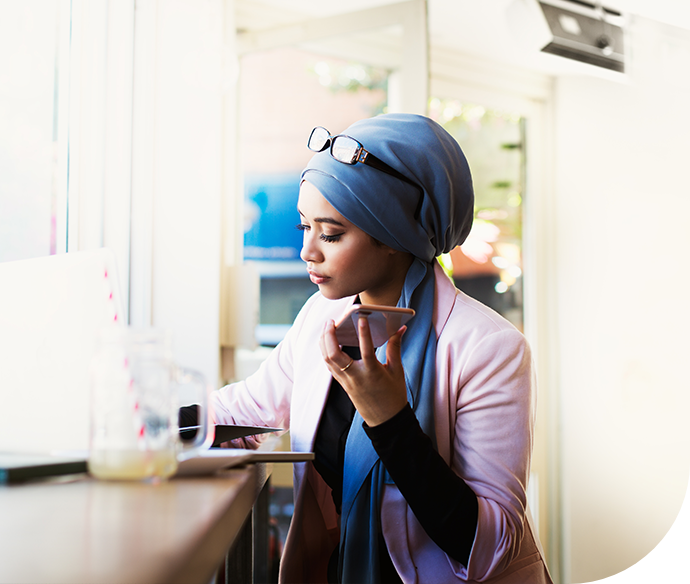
(137, 420)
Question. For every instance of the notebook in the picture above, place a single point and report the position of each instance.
(215, 459)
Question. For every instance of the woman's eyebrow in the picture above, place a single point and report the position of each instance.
(328, 220)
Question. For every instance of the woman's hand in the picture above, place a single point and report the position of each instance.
(377, 390)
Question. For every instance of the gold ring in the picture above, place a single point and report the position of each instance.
(347, 366)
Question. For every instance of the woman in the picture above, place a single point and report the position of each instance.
(422, 447)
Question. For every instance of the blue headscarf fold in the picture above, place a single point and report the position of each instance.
(383, 206)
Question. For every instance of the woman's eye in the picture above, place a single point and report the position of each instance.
(322, 236)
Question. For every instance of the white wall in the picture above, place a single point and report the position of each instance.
(622, 206)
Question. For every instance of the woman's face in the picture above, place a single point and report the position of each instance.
(343, 260)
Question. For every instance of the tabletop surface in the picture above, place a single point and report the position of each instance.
(80, 530)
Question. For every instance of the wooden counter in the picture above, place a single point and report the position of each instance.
(80, 530)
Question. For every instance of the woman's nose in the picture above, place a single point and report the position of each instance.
(310, 252)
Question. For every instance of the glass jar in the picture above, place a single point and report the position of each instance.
(135, 401)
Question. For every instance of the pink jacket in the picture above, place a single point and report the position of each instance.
(484, 414)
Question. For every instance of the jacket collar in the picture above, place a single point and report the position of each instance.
(446, 294)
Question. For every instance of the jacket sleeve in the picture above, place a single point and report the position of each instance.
(493, 445)
(263, 399)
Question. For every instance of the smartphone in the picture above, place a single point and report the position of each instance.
(384, 322)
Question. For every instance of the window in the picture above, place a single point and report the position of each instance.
(32, 185)
(488, 266)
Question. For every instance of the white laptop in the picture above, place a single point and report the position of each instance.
(51, 310)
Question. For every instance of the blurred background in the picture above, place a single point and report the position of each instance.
(174, 132)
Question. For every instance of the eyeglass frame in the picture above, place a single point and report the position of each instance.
(365, 157)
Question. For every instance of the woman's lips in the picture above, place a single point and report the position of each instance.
(317, 278)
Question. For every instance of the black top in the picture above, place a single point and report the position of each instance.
(331, 436)
(442, 502)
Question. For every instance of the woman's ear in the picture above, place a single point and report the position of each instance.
(395, 252)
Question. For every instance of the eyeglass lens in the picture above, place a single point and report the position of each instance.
(345, 149)
(318, 139)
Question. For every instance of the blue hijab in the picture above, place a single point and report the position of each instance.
(384, 207)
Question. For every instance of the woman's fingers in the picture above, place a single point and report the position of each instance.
(366, 344)
(377, 391)
(330, 349)
(394, 349)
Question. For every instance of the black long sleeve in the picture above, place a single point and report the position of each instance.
(442, 502)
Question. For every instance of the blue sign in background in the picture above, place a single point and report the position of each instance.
(271, 216)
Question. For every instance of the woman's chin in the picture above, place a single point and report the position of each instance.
(330, 293)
